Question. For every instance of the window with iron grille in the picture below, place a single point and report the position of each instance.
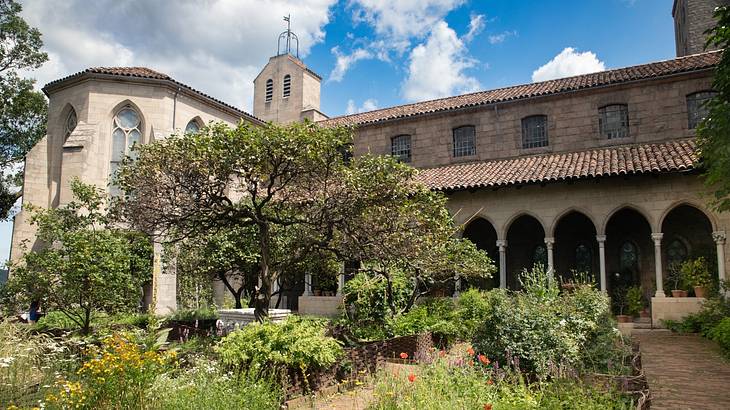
(613, 121)
(534, 131)
(287, 85)
(269, 89)
(697, 108)
(465, 141)
(400, 147)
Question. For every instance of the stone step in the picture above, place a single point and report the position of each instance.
(642, 325)
(642, 320)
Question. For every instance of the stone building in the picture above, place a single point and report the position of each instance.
(594, 173)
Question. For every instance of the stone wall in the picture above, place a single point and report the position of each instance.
(657, 111)
(692, 18)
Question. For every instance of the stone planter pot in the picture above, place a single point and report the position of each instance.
(678, 293)
(700, 292)
(645, 313)
(623, 318)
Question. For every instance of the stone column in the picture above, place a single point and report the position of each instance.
(602, 260)
(308, 285)
(720, 238)
(657, 238)
(549, 242)
(502, 244)
(164, 280)
(341, 280)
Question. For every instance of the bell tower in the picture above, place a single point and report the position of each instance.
(286, 90)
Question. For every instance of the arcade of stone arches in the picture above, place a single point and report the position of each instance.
(626, 249)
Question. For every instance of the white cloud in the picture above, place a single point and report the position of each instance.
(345, 61)
(501, 37)
(403, 19)
(216, 46)
(436, 68)
(568, 63)
(476, 25)
(368, 105)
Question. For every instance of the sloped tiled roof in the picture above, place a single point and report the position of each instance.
(670, 156)
(657, 69)
(144, 73)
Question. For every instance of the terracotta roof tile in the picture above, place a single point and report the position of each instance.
(640, 72)
(145, 73)
(670, 156)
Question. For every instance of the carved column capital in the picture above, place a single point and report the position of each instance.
(601, 239)
(657, 238)
(719, 237)
(501, 243)
(549, 241)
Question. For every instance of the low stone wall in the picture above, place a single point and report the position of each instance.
(359, 361)
(666, 308)
(328, 306)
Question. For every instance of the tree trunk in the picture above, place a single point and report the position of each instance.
(87, 322)
(261, 309)
(389, 294)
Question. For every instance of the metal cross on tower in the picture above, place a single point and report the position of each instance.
(287, 36)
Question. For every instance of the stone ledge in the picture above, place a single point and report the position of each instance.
(320, 305)
(666, 308)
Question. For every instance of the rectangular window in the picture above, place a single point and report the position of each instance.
(697, 108)
(287, 85)
(269, 90)
(534, 131)
(465, 141)
(613, 121)
(400, 147)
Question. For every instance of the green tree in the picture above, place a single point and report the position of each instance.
(86, 267)
(714, 131)
(22, 110)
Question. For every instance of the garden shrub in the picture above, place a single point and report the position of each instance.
(721, 334)
(117, 374)
(271, 348)
(365, 297)
(459, 383)
(206, 385)
(713, 311)
(539, 330)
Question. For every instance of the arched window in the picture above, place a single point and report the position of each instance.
(269, 89)
(583, 258)
(70, 125)
(629, 257)
(193, 127)
(465, 141)
(676, 252)
(613, 121)
(539, 256)
(287, 85)
(534, 131)
(126, 131)
(400, 147)
(697, 108)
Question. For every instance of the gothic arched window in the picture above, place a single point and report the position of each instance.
(193, 127)
(539, 256)
(70, 125)
(126, 131)
(676, 252)
(583, 258)
(629, 257)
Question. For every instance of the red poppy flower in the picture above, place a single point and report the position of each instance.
(488, 406)
(490, 382)
(485, 361)
(470, 351)
(411, 377)
(442, 353)
(404, 355)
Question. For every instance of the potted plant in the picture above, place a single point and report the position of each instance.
(698, 275)
(676, 280)
(634, 300)
(620, 303)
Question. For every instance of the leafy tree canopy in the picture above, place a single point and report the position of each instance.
(86, 267)
(714, 131)
(22, 110)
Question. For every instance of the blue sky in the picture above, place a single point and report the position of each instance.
(370, 53)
